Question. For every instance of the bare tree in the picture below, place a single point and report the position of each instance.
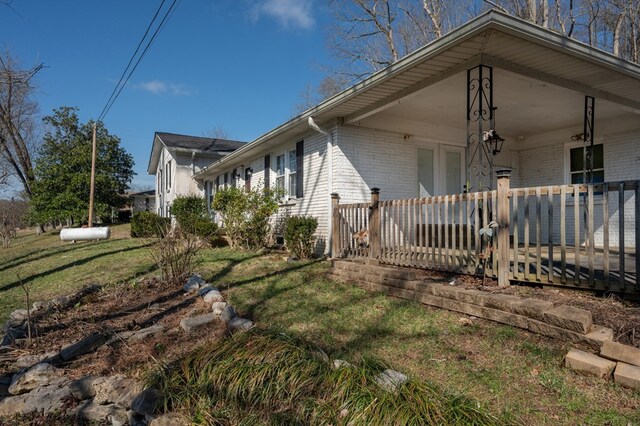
(216, 132)
(12, 217)
(17, 120)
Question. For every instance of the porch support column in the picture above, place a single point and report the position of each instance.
(587, 170)
(480, 112)
(504, 178)
(374, 224)
(335, 225)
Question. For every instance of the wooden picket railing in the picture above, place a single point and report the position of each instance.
(571, 235)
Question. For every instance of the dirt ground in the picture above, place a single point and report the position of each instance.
(116, 310)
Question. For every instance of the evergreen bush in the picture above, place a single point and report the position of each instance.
(299, 235)
(149, 224)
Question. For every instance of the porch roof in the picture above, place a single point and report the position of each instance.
(494, 39)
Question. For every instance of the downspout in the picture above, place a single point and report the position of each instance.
(329, 154)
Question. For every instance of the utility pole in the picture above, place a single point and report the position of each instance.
(93, 175)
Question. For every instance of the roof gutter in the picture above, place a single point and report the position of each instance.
(329, 156)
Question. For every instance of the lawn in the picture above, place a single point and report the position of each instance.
(50, 267)
(507, 370)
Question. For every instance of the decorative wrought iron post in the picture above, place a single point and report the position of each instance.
(589, 110)
(480, 112)
(587, 165)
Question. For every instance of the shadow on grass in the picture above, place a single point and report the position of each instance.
(54, 251)
(60, 268)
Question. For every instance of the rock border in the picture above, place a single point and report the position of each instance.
(38, 385)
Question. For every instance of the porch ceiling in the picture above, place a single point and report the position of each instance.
(526, 106)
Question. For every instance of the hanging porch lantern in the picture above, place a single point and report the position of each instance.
(491, 138)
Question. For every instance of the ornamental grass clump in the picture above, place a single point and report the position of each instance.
(271, 378)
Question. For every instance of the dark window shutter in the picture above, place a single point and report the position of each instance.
(217, 182)
(300, 169)
(234, 178)
(226, 179)
(267, 170)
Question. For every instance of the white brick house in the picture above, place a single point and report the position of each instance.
(176, 158)
(406, 131)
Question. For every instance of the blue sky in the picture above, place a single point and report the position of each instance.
(237, 64)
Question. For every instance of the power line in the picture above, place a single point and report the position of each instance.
(149, 43)
(132, 57)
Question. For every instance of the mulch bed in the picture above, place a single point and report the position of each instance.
(115, 310)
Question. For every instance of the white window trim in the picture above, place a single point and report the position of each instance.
(568, 146)
(287, 171)
(169, 176)
(440, 150)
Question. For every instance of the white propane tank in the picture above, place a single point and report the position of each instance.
(83, 234)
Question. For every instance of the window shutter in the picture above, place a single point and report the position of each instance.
(217, 182)
(267, 171)
(247, 178)
(300, 169)
(226, 179)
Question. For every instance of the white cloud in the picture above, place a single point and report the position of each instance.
(159, 87)
(289, 13)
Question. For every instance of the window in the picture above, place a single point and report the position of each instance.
(168, 175)
(146, 204)
(234, 178)
(248, 172)
(577, 164)
(292, 173)
(280, 171)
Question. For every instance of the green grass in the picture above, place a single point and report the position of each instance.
(51, 267)
(506, 370)
(280, 380)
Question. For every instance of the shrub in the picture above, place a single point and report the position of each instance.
(298, 235)
(175, 257)
(246, 214)
(148, 224)
(206, 229)
(188, 211)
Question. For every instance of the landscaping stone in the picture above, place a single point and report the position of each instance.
(191, 323)
(84, 346)
(118, 390)
(218, 307)
(627, 375)
(45, 399)
(194, 283)
(27, 361)
(503, 302)
(600, 333)
(143, 333)
(91, 410)
(340, 363)
(574, 319)
(620, 352)
(533, 308)
(589, 363)
(213, 296)
(19, 315)
(37, 376)
(227, 314)
(429, 299)
(146, 402)
(170, 419)
(390, 379)
(205, 289)
(42, 306)
(83, 388)
(60, 301)
(239, 324)
(549, 330)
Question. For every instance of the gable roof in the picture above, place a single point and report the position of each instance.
(203, 146)
(494, 38)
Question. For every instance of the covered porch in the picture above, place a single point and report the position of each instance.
(565, 126)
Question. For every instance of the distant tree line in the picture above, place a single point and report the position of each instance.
(50, 159)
